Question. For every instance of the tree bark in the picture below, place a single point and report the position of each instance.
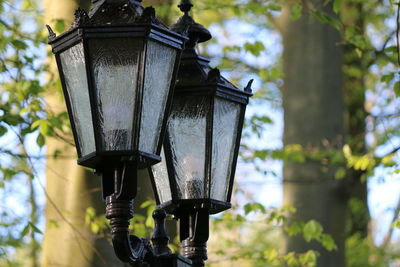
(313, 103)
(70, 188)
(355, 120)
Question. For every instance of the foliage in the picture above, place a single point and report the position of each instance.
(246, 245)
(24, 116)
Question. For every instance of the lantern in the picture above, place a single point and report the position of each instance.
(203, 133)
(117, 66)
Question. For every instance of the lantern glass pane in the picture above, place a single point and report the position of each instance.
(226, 119)
(74, 70)
(161, 180)
(160, 61)
(115, 67)
(187, 136)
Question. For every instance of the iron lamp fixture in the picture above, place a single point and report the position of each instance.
(200, 150)
(118, 67)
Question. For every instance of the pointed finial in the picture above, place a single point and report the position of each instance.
(81, 17)
(149, 16)
(214, 75)
(248, 86)
(52, 35)
(185, 6)
(186, 25)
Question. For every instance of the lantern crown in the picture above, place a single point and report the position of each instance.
(186, 25)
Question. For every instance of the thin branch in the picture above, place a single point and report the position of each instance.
(383, 116)
(389, 234)
(19, 155)
(54, 205)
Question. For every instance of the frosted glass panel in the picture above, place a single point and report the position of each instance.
(115, 72)
(226, 118)
(160, 62)
(187, 135)
(73, 65)
(161, 180)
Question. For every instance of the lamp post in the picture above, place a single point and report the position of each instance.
(201, 144)
(118, 67)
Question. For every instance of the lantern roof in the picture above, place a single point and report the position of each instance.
(195, 75)
(119, 16)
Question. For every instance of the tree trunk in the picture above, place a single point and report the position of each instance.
(314, 118)
(354, 85)
(70, 188)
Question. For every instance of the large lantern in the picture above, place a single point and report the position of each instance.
(117, 66)
(203, 133)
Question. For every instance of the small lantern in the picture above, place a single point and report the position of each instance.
(118, 67)
(203, 133)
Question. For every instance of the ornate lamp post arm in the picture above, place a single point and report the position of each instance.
(119, 211)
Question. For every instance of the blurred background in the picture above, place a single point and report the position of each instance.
(318, 178)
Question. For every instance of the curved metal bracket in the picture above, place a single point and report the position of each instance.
(119, 190)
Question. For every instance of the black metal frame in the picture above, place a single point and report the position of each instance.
(128, 19)
(212, 86)
(145, 29)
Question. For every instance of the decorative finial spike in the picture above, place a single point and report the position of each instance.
(160, 238)
(248, 86)
(52, 35)
(185, 6)
(81, 18)
(214, 75)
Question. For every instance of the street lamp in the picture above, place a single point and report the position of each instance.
(118, 67)
(201, 144)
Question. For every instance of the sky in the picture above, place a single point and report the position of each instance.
(384, 186)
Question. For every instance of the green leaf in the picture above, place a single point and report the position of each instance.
(340, 173)
(291, 259)
(34, 228)
(23, 111)
(36, 124)
(296, 11)
(60, 25)
(309, 259)
(312, 230)
(274, 7)
(328, 242)
(146, 204)
(53, 224)
(294, 228)
(271, 254)
(247, 208)
(359, 52)
(254, 48)
(336, 6)
(3, 130)
(25, 231)
(18, 44)
(40, 140)
(396, 89)
(95, 227)
(44, 127)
